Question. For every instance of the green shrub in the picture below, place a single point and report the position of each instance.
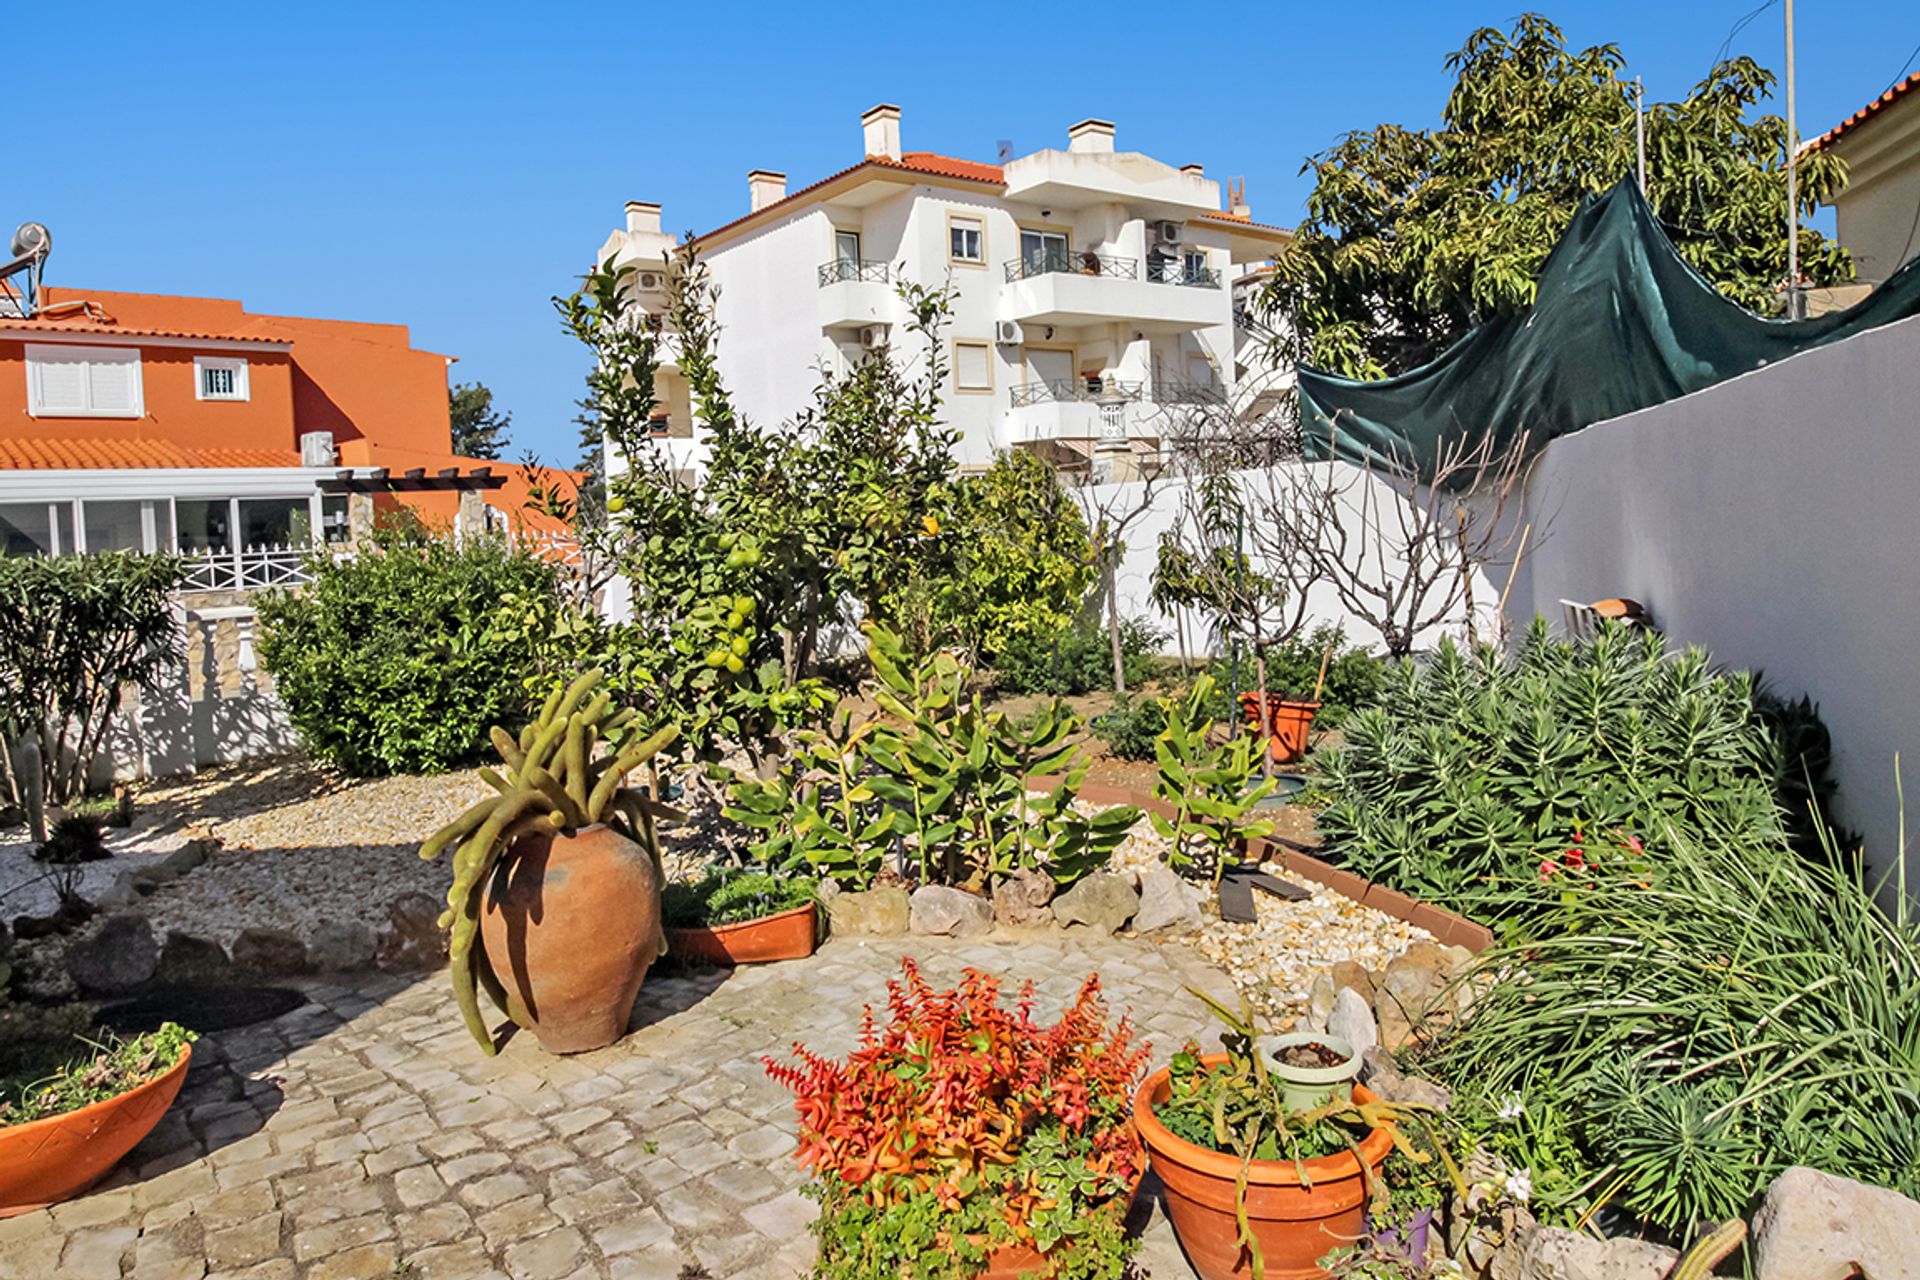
(1211, 789)
(399, 658)
(729, 897)
(1130, 728)
(1078, 659)
(1353, 677)
(1474, 774)
(1021, 560)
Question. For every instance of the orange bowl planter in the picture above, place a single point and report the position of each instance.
(789, 935)
(1024, 1262)
(1296, 1224)
(46, 1161)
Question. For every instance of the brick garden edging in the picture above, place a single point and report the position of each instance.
(1447, 927)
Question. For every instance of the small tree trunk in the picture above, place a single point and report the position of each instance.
(1180, 630)
(1113, 632)
(1266, 708)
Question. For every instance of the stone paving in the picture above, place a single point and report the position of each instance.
(365, 1135)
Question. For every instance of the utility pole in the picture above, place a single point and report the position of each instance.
(1794, 301)
(1640, 133)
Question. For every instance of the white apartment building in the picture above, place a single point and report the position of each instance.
(1093, 291)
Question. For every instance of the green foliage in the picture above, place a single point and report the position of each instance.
(112, 1068)
(1673, 1035)
(1412, 237)
(1211, 788)
(75, 838)
(935, 776)
(1293, 664)
(1132, 727)
(1021, 557)
(1476, 776)
(1077, 659)
(478, 430)
(73, 630)
(732, 896)
(396, 659)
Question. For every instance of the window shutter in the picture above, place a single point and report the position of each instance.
(83, 382)
(116, 386)
(973, 369)
(62, 386)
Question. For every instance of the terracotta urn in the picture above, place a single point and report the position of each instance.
(46, 1161)
(1297, 1223)
(571, 924)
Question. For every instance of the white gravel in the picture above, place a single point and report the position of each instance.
(27, 887)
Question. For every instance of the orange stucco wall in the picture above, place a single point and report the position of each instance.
(265, 420)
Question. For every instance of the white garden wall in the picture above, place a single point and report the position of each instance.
(1775, 520)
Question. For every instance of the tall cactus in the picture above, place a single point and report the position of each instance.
(555, 784)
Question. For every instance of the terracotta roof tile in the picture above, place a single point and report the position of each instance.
(29, 329)
(1910, 85)
(81, 454)
(914, 161)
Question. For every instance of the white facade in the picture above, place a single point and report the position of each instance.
(1092, 288)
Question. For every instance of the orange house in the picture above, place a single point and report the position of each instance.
(147, 421)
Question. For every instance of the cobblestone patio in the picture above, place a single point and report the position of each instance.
(364, 1135)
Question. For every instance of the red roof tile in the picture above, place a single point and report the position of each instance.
(914, 161)
(1909, 85)
(29, 329)
(81, 454)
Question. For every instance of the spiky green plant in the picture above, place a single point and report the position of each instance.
(555, 783)
(1211, 788)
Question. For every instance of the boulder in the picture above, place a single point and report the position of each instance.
(1541, 1252)
(1320, 998)
(186, 858)
(1352, 1020)
(122, 893)
(1020, 900)
(338, 945)
(412, 938)
(193, 962)
(1102, 901)
(882, 912)
(1351, 973)
(272, 952)
(1819, 1226)
(829, 889)
(941, 909)
(1168, 904)
(114, 958)
(1408, 996)
(1380, 1073)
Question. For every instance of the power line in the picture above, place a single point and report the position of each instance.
(1734, 31)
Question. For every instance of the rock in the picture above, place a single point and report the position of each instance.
(1555, 1253)
(1352, 1020)
(1430, 957)
(194, 962)
(1168, 904)
(338, 945)
(1351, 973)
(1020, 900)
(1818, 1226)
(941, 909)
(114, 958)
(829, 889)
(1320, 998)
(186, 858)
(122, 893)
(1102, 901)
(1380, 1073)
(271, 952)
(882, 912)
(1408, 997)
(412, 938)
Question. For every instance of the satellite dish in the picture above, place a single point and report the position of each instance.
(32, 240)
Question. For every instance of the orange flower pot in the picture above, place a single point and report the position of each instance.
(786, 936)
(1296, 1224)
(1287, 725)
(46, 1161)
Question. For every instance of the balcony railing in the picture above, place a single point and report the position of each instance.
(1072, 262)
(845, 270)
(1173, 271)
(1074, 391)
(252, 569)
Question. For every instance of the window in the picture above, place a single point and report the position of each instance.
(36, 528)
(1196, 267)
(846, 247)
(269, 523)
(336, 522)
(972, 366)
(966, 240)
(203, 524)
(83, 382)
(1043, 251)
(219, 378)
(112, 525)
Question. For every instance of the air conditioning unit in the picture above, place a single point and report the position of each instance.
(1008, 333)
(649, 280)
(873, 336)
(316, 449)
(1166, 232)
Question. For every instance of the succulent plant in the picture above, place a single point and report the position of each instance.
(555, 784)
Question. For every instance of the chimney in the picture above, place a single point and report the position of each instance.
(1091, 137)
(643, 215)
(766, 187)
(881, 125)
(1194, 170)
(1237, 199)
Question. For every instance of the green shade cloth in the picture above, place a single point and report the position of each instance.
(1620, 322)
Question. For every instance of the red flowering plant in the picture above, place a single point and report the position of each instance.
(962, 1127)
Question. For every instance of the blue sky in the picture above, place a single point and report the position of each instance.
(451, 166)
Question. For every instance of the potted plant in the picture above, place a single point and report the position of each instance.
(730, 917)
(963, 1139)
(62, 1133)
(555, 905)
(1312, 1068)
(1255, 1187)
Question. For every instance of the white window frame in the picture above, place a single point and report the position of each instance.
(41, 354)
(236, 365)
(986, 349)
(957, 222)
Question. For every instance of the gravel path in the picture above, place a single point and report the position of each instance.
(28, 888)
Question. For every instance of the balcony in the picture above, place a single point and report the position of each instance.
(1072, 409)
(1082, 287)
(855, 293)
